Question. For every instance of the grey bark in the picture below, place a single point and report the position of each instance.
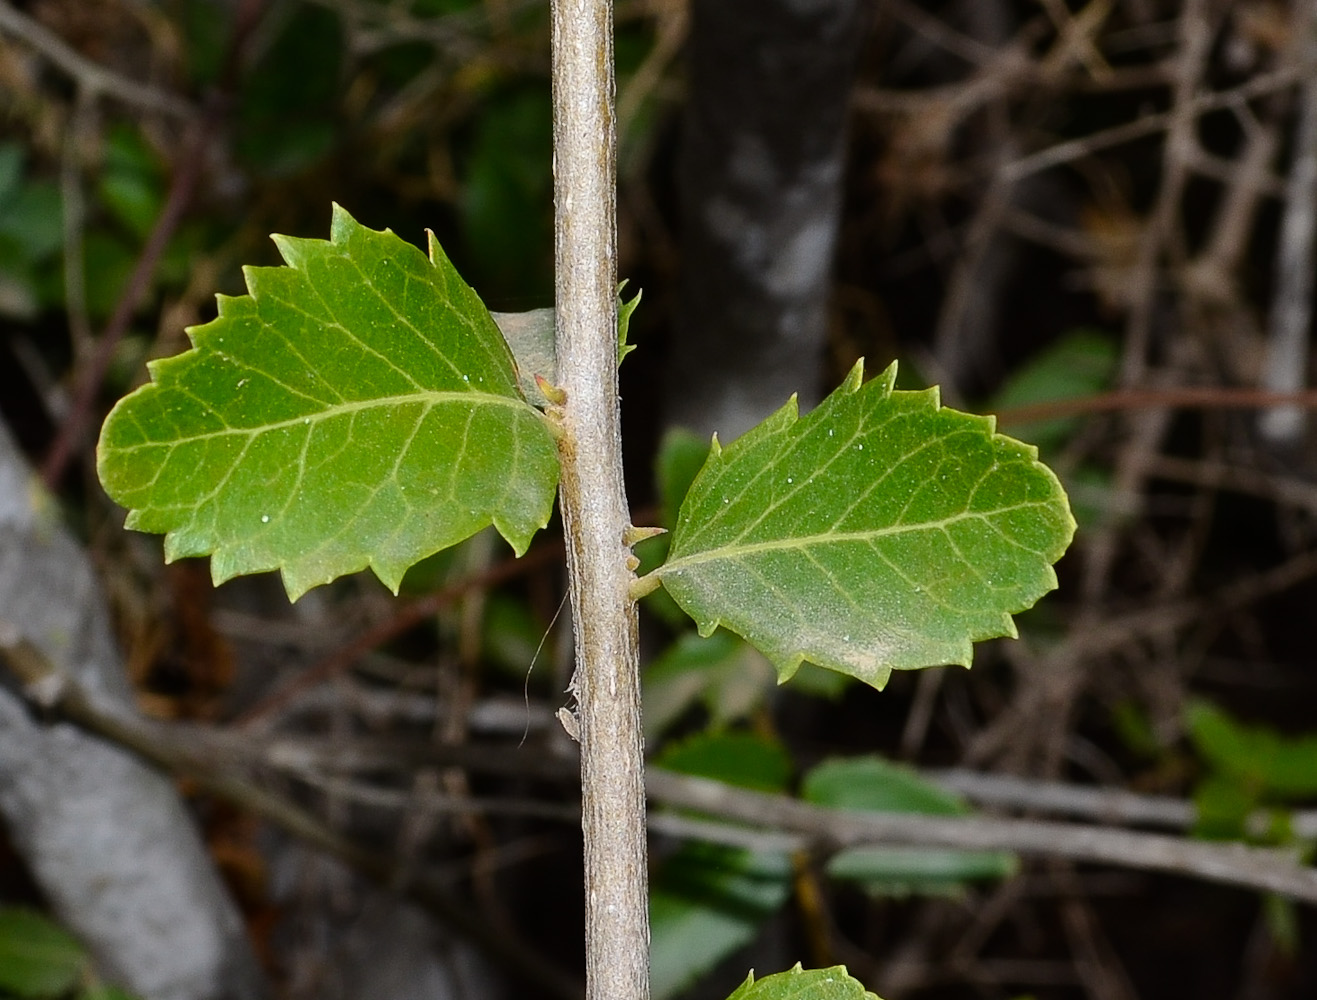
(108, 840)
(1291, 314)
(761, 186)
(592, 498)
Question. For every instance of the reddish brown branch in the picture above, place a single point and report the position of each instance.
(1122, 400)
(181, 190)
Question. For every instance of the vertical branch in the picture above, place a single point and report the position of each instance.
(593, 501)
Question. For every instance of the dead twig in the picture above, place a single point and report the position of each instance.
(1256, 868)
(93, 79)
(181, 191)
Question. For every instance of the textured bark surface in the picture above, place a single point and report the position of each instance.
(593, 503)
(761, 175)
(108, 840)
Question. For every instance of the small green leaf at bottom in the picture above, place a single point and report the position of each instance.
(881, 532)
(804, 984)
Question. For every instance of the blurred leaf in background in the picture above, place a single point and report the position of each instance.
(877, 785)
(31, 234)
(1247, 768)
(506, 202)
(724, 674)
(1080, 363)
(708, 900)
(39, 960)
(288, 110)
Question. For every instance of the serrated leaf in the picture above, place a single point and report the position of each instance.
(804, 984)
(358, 408)
(624, 310)
(37, 957)
(881, 532)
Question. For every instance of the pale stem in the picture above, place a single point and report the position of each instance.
(594, 508)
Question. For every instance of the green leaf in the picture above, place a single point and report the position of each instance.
(874, 784)
(289, 103)
(37, 957)
(681, 455)
(1081, 363)
(881, 532)
(877, 785)
(624, 310)
(708, 900)
(358, 408)
(33, 216)
(506, 198)
(1261, 760)
(512, 638)
(1223, 807)
(723, 673)
(802, 984)
(131, 185)
(741, 759)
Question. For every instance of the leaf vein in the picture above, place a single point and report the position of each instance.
(431, 398)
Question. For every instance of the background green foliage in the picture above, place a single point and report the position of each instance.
(39, 960)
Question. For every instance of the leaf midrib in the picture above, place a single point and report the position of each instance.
(734, 550)
(474, 397)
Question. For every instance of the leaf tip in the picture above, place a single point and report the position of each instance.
(707, 627)
(291, 249)
(435, 249)
(788, 669)
(342, 225)
(855, 376)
